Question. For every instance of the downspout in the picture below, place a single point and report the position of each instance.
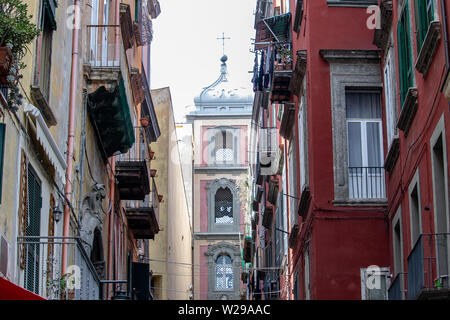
(71, 133)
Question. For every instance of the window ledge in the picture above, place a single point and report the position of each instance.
(392, 156)
(408, 112)
(429, 47)
(347, 3)
(305, 200)
(44, 107)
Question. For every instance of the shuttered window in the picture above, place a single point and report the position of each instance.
(33, 229)
(424, 14)
(2, 152)
(404, 54)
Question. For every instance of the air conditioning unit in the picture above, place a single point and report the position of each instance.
(4, 256)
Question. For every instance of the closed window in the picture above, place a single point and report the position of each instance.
(365, 153)
(224, 273)
(424, 13)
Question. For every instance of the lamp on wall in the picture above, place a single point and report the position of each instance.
(57, 213)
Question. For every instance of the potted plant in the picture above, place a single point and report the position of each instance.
(16, 33)
(145, 121)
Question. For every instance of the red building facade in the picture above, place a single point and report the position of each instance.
(361, 117)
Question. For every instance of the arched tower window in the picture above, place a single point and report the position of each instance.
(223, 206)
(224, 273)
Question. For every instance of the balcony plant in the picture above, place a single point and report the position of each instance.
(16, 33)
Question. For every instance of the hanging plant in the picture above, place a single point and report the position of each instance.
(16, 33)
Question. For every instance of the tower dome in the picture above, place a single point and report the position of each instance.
(221, 96)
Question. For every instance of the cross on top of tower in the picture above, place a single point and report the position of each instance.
(223, 41)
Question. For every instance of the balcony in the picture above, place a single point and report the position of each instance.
(398, 287)
(102, 56)
(428, 268)
(282, 74)
(132, 171)
(143, 216)
(366, 183)
(42, 257)
(110, 114)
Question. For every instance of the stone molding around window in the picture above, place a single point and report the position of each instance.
(211, 189)
(348, 69)
(213, 252)
(429, 47)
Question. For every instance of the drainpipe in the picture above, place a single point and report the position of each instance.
(71, 134)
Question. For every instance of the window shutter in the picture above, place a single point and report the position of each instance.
(2, 152)
(404, 47)
(50, 11)
(33, 229)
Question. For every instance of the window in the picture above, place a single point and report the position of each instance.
(415, 212)
(398, 248)
(303, 143)
(224, 206)
(47, 25)
(365, 153)
(406, 69)
(224, 147)
(307, 274)
(292, 187)
(424, 13)
(224, 273)
(33, 223)
(390, 93)
(374, 283)
(2, 152)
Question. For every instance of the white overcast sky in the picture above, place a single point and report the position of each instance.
(186, 52)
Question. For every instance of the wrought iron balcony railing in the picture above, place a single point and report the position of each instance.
(103, 46)
(366, 183)
(41, 258)
(428, 267)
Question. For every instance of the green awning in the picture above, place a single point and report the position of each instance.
(279, 26)
(111, 114)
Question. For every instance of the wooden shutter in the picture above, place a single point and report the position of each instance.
(33, 229)
(405, 60)
(2, 151)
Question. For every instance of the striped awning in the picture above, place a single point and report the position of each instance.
(46, 141)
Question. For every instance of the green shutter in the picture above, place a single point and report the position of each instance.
(2, 152)
(406, 70)
(424, 14)
(33, 229)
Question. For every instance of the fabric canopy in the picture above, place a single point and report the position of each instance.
(11, 291)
